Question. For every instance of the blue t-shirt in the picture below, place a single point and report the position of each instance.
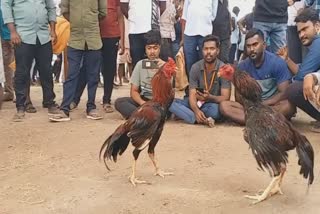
(269, 75)
(311, 62)
(5, 33)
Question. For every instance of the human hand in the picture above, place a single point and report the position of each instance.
(200, 117)
(121, 48)
(127, 53)
(290, 2)
(15, 38)
(205, 95)
(53, 36)
(283, 53)
(308, 84)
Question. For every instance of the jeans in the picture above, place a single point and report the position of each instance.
(137, 47)
(192, 50)
(232, 53)
(295, 96)
(126, 106)
(181, 108)
(24, 55)
(109, 66)
(277, 32)
(91, 67)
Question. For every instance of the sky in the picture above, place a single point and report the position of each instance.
(244, 5)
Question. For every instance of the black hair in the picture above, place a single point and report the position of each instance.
(236, 10)
(211, 38)
(307, 14)
(153, 37)
(254, 31)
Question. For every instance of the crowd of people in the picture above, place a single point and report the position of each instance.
(277, 43)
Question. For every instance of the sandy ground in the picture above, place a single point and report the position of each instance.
(54, 168)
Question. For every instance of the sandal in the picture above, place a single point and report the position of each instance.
(30, 108)
(108, 108)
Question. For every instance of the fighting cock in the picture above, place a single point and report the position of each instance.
(144, 127)
(269, 134)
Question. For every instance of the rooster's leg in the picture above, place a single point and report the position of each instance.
(277, 188)
(158, 172)
(269, 191)
(132, 177)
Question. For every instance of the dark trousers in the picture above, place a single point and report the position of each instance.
(126, 106)
(295, 96)
(109, 66)
(137, 47)
(232, 53)
(224, 50)
(91, 63)
(24, 55)
(294, 44)
(166, 49)
(56, 68)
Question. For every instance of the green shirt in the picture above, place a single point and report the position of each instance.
(84, 22)
(142, 78)
(31, 18)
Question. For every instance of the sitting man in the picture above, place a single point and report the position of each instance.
(301, 91)
(206, 89)
(142, 74)
(272, 74)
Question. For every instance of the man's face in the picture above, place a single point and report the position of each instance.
(255, 47)
(307, 32)
(210, 51)
(153, 51)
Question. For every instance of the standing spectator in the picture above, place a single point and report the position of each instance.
(271, 16)
(196, 22)
(245, 23)
(143, 15)
(295, 48)
(234, 34)
(222, 29)
(28, 22)
(8, 57)
(177, 26)
(167, 20)
(84, 48)
(112, 34)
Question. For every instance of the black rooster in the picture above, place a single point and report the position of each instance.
(145, 125)
(269, 134)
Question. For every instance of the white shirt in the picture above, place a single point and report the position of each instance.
(139, 15)
(293, 11)
(199, 15)
(167, 21)
(235, 33)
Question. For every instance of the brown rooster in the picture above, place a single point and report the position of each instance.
(144, 127)
(269, 135)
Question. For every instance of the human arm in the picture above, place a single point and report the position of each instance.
(52, 15)
(200, 117)
(7, 14)
(135, 84)
(122, 30)
(135, 94)
(183, 20)
(309, 82)
(65, 7)
(283, 53)
(282, 87)
(241, 24)
(102, 8)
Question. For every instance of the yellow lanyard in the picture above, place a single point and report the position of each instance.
(211, 81)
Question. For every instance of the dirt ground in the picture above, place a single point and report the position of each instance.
(54, 168)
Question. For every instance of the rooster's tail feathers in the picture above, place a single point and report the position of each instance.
(306, 157)
(116, 144)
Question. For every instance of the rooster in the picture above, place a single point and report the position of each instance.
(144, 127)
(269, 135)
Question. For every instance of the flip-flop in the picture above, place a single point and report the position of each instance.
(30, 108)
(108, 108)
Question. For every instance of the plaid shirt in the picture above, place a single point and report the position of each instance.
(314, 3)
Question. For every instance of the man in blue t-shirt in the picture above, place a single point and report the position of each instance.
(272, 74)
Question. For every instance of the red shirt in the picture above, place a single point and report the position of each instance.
(109, 26)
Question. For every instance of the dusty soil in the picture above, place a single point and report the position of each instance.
(54, 168)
